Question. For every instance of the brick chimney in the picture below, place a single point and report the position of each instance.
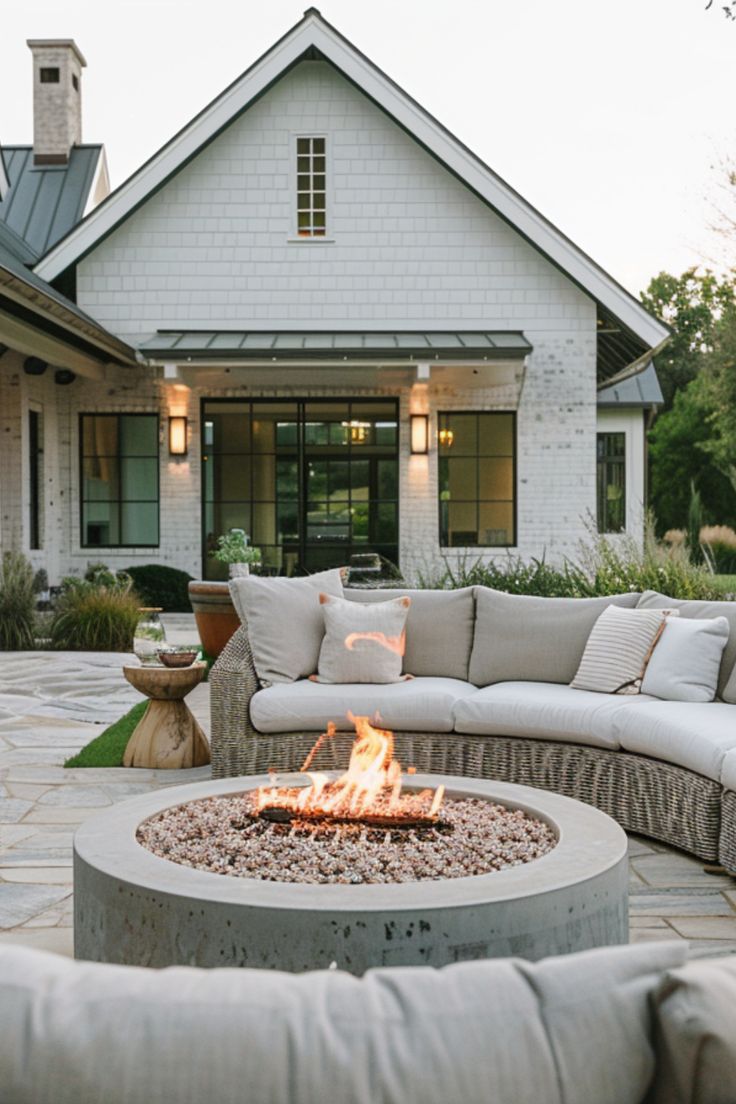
(57, 99)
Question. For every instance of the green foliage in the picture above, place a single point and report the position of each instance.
(233, 547)
(694, 525)
(162, 587)
(719, 392)
(107, 749)
(678, 458)
(692, 304)
(17, 603)
(92, 617)
(604, 566)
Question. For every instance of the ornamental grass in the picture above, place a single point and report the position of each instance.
(91, 617)
(17, 603)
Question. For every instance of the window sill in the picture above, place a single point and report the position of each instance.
(310, 241)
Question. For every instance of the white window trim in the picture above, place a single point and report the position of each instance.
(294, 236)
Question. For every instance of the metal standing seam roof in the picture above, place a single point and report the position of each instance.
(44, 202)
(640, 390)
(333, 345)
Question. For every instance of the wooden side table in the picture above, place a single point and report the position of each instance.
(167, 735)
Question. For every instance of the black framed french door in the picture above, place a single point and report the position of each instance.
(311, 481)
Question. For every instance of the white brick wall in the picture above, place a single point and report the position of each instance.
(410, 248)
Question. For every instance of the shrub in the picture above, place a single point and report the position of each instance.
(511, 575)
(92, 617)
(720, 541)
(17, 603)
(161, 586)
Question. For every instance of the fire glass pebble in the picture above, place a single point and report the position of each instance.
(221, 835)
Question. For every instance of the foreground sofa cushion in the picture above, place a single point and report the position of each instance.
(695, 1009)
(541, 710)
(362, 643)
(522, 638)
(686, 663)
(418, 705)
(574, 1029)
(651, 599)
(692, 735)
(439, 628)
(284, 621)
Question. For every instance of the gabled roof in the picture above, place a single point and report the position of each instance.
(312, 36)
(44, 202)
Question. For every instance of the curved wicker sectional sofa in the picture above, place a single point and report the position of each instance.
(663, 769)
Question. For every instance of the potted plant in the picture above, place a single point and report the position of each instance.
(233, 549)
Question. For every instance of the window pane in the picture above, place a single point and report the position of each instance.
(318, 145)
(496, 523)
(140, 522)
(388, 479)
(100, 524)
(302, 145)
(100, 478)
(287, 479)
(462, 478)
(496, 435)
(465, 434)
(462, 523)
(496, 478)
(100, 435)
(386, 526)
(139, 435)
(139, 480)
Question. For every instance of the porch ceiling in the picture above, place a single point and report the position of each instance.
(292, 345)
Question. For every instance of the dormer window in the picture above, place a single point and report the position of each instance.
(311, 187)
(49, 75)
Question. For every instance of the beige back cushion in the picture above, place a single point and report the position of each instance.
(519, 638)
(651, 599)
(284, 622)
(569, 1030)
(439, 629)
(695, 1009)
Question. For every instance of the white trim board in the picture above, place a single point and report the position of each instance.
(313, 32)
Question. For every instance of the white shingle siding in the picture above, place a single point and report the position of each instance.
(409, 247)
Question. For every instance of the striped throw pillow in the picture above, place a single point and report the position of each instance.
(618, 650)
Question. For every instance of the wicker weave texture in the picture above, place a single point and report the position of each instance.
(644, 795)
(727, 856)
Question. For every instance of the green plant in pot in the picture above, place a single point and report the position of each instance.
(234, 550)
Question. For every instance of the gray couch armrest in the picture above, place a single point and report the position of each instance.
(233, 682)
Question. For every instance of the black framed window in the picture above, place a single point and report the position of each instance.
(611, 482)
(310, 481)
(35, 475)
(119, 480)
(477, 479)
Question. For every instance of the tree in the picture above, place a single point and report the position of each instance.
(729, 10)
(680, 461)
(692, 304)
(719, 395)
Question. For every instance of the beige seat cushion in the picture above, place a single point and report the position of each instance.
(569, 1030)
(695, 1009)
(695, 735)
(439, 628)
(284, 621)
(728, 771)
(518, 637)
(541, 710)
(650, 599)
(419, 705)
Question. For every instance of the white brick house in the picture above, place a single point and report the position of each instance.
(310, 263)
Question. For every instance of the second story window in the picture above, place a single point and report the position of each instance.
(311, 188)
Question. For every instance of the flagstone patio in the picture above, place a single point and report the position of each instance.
(52, 703)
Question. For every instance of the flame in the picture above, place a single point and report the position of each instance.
(370, 787)
(391, 643)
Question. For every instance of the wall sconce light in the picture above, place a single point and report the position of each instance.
(177, 435)
(419, 424)
(446, 437)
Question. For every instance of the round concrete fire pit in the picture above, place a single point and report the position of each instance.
(134, 907)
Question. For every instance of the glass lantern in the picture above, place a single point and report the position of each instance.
(149, 635)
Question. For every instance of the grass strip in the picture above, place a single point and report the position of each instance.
(107, 749)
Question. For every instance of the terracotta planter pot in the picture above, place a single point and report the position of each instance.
(214, 613)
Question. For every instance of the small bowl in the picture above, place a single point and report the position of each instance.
(177, 659)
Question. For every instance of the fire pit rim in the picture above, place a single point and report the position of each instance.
(589, 843)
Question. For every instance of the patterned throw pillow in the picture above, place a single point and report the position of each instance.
(618, 650)
(362, 643)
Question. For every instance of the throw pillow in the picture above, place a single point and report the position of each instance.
(284, 622)
(363, 643)
(651, 599)
(686, 662)
(618, 650)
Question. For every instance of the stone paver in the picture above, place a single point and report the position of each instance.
(51, 704)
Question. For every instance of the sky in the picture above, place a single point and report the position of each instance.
(613, 117)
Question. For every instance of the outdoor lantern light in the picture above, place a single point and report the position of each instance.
(419, 434)
(177, 435)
